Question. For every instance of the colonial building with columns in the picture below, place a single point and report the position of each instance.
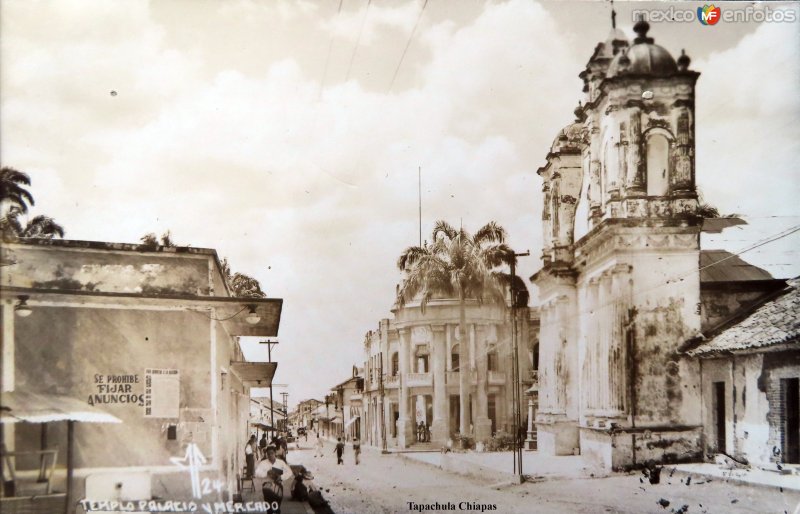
(412, 366)
(623, 284)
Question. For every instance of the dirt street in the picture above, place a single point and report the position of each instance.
(390, 483)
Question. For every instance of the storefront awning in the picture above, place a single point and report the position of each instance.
(20, 406)
(255, 374)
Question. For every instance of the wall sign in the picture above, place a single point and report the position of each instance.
(162, 393)
(116, 389)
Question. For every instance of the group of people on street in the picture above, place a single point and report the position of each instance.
(338, 449)
(423, 432)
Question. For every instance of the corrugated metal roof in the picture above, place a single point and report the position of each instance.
(723, 266)
(17, 406)
(774, 322)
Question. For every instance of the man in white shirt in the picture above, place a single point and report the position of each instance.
(277, 473)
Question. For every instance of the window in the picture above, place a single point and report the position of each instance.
(657, 165)
(491, 359)
(454, 359)
(395, 364)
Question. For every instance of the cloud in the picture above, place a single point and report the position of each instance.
(221, 132)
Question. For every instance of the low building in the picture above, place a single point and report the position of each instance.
(266, 415)
(750, 379)
(347, 399)
(307, 413)
(413, 366)
(149, 336)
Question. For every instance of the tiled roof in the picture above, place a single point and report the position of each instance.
(731, 268)
(774, 322)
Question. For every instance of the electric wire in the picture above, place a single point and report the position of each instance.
(408, 44)
(358, 41)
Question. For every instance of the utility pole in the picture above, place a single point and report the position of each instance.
(515, 379)
(285, 410)
(383, 411)
(271, 406)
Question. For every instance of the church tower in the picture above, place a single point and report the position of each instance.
(619, 287)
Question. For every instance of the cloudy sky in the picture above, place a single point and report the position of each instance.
(288, 135)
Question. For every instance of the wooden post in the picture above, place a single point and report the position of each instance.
(70, 464)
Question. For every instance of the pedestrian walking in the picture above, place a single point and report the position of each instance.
(339, 451)
(357, 449)
(318, 447)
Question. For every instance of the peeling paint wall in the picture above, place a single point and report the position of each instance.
(90, 270)
(60, 350)
(753, 422)
(719, 305)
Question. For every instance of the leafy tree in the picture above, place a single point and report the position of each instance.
(151, 242)
(12, 189)
(462, 266)
(241, 285)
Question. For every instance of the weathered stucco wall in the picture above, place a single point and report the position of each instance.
(71, 269)
(719, 305)
(68, 351)
(667, 387)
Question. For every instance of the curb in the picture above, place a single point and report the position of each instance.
(732, 480)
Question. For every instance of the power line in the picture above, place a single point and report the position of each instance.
(328, 58)
(358, 41)
(408, 43)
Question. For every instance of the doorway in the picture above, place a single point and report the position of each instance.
(719, 416)
(790, 395)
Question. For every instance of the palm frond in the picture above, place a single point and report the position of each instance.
(490, 233)
(442, 227)
(43, 227)
(410, 257)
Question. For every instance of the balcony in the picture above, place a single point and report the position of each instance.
(452, 378)
(497, 378)
(391, 382)
(418, 380)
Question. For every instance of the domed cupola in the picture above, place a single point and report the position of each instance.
(644, 57)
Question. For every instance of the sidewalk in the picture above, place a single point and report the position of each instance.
(500, 464)
(756, 477)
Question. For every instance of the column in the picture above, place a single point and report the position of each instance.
(405, 421)
(592, 342)
(604, 333)
(530, 442)
(440, 428)
(483, 425)
(617, 353)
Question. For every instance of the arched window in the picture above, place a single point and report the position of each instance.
(581, 224)
(395, 364)
(657, 165)
(454, 358)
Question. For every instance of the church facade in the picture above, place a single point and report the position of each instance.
(619, 287)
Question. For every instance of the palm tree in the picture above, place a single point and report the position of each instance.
(12, 188)
(42, 227)
(457, 265)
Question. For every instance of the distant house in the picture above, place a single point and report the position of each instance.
(750, 379)
(348, 404)
(149, 336)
